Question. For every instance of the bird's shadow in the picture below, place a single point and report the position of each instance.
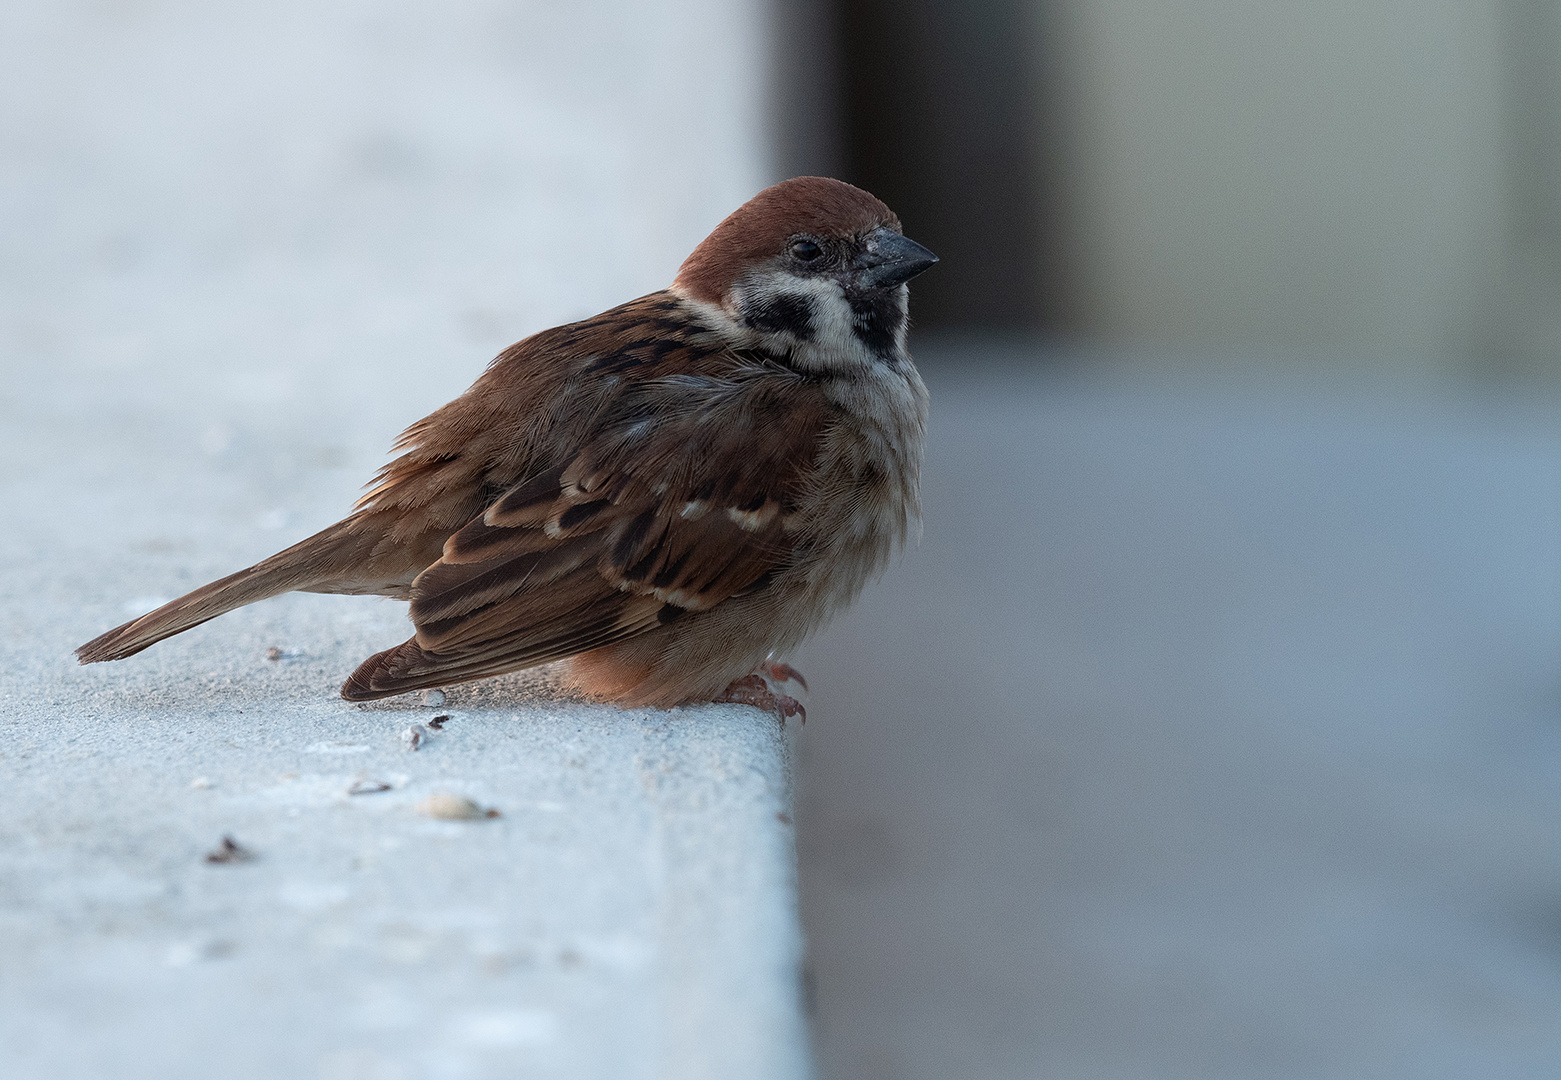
(535, 687)
(174, 692)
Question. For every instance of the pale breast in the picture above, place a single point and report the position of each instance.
(865, 496)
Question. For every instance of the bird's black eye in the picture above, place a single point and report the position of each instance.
(806, 250)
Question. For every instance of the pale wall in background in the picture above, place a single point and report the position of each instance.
(271, 192)
(1337, 175)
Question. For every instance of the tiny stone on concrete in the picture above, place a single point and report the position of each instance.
(229, 851)
(448, 807)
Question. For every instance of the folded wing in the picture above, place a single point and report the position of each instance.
(685, 492)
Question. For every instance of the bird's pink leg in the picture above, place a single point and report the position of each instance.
(752, 690)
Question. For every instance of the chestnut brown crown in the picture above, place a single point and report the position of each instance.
(760, 229)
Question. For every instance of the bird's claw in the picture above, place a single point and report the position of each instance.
(753, 690)
(782, 673)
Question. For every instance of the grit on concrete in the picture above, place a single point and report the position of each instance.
(629, 912)
(1213, 731)
(240, 249)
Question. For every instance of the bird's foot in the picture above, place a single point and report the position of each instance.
(753, 690)
(780, 674)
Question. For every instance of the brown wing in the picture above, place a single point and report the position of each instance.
(684, 493)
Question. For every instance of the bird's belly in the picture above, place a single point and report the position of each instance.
(844, 534)
(697, 656)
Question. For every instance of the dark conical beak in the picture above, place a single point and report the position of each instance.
(891, 259)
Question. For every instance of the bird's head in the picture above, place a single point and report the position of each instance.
(811, 267)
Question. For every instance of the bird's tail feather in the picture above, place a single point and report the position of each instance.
(322, 558)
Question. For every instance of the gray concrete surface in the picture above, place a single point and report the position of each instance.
(631, 912)
(240, 249)
(1213, 731)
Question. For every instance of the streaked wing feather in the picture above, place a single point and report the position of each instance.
(681, 495)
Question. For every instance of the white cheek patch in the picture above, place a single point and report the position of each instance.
(756, 309)
(833, 321)
(841, 337)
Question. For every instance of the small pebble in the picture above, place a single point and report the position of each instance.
(433, 698)
(273, 654)
(229, 852)
(367, 787)
(413, 736)
(200, 783)
(437, 723)
(453, 808)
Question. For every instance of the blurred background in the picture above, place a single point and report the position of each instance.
(1213, 729)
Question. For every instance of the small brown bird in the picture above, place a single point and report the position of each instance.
(665, 495)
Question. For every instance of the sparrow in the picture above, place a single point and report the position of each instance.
(664, 496)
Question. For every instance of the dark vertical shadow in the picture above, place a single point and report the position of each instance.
(941, 108)
(940, 114)
(804, 89)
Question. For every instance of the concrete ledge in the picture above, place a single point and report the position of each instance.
(228, 291)
(629, 912)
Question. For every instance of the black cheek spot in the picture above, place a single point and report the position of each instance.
(880, 316)
(782, 314)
